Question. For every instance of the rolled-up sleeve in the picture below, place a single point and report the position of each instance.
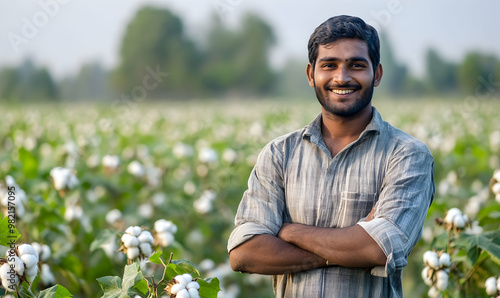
(261, 208)
(400, 212)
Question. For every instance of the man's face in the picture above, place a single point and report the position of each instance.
(343, 77)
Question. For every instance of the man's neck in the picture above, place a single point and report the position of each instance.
(338, 131)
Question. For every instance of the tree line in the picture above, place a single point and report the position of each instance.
(224, 62)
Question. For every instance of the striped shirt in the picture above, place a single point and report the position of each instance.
(296, 180)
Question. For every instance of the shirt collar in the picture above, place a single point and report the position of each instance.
(313, 130)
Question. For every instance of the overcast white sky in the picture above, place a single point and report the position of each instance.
(66, 33)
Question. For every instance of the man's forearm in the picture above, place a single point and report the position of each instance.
(267, 254)
(349, 247)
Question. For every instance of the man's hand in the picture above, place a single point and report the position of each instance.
(349, 247)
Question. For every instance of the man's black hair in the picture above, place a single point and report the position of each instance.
(343, 26)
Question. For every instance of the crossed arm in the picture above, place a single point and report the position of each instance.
(300, 247)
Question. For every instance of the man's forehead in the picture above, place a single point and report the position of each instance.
(345, 47)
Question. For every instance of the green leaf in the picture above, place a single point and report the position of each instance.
(114, 287)
(487, 241)
(56, 291)
(25, 291)
(8, 232)
(111, 286)
(142, 286)
(30, 163)
(184, 266)
(131, 276)
(103, 238)
(209, 287)
(155, 258)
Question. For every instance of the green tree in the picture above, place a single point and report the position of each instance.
(441, 76)
(396, 76)
(476, 73)
(237, 61)
(27, 82)
(155, 39)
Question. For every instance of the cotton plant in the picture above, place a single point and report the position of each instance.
(492, 286)
(63, 179)
(12, 195)
(110, 163)
(44, 254)
(495, 185)
(204, 203)
(455, 220)
(137, 243)
(164, 231)
(436, 271)
(20, 264)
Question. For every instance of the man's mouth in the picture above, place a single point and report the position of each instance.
(342, 91)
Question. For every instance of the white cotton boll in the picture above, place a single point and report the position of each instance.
(496, 188)
(11, 283)
(133, 252)
(146, 237)
(433, 261)
(29, 260)
(73, 212)
(466, 218)
(18, 264)
(496, 175)
(425, 276)
(229, 155)
(27, 249)
(134, 230)
(441, 280)
(130, 241)
(183, 294)
(491, 286)
(193, 285)
(37, 247)
(163, 225)
(165, 239)
(181, 280)
(111, 161)
(208, 155)
(47, 276)
(427, 255)
(146, 249)
(459, 222)
(176, 288)
(136, 168)
(193, 293)
(31, 272)
(113, 216)
(4, 271)
(187, 277)
(497, 198)
(46, 253)
(183, 150)
(444, 260)
(145, 210)
(498, 284)
(451, 214)
(207, 264)
(434, 293)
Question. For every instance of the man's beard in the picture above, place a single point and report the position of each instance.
(361, 102)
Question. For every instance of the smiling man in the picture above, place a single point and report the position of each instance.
(334, 209)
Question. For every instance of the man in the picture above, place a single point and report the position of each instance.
(334, 209)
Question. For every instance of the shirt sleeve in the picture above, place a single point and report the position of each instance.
(261, 208)
(406, 194)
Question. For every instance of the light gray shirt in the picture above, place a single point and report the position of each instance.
(296, 180)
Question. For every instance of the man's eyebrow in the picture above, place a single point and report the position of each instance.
(336, 59)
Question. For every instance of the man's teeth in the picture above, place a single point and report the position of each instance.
(342, 91)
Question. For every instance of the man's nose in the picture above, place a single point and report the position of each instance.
(342, 75)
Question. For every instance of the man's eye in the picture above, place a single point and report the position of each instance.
(357, 65)
(328, 65)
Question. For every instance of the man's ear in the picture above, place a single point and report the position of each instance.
(378, 75)
(310, 74)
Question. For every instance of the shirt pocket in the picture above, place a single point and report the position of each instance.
(354, 206)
